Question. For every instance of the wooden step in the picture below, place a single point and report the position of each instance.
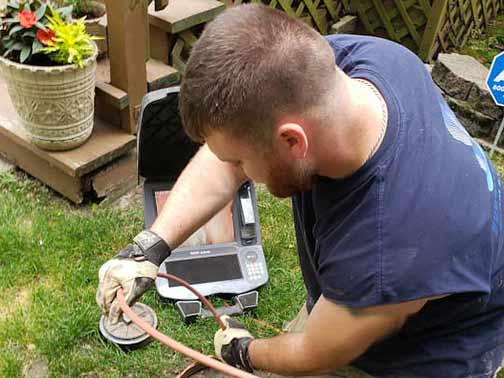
(116, 178)
(159, 75)
(181, 15)
(66, 172)
(107, 92)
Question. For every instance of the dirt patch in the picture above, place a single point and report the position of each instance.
(17, 299)
(133, 198)
(26, 225)
(36, 368)
(13, 299)
(90, 374)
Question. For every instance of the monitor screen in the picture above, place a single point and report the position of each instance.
(217, 230)
(211, 269)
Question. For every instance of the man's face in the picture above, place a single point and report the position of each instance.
(282, 174)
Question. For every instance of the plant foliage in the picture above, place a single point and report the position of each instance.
(21, 21)
(38, 32)
(71, 43)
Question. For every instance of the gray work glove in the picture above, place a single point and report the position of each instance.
(231, 344)
(134, 277)
(134, 269)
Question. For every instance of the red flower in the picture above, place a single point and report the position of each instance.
(27, 18)
(45, 37)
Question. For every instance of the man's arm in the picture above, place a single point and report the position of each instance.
(205, 186)
(334, 336)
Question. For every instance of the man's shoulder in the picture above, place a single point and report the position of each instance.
(375, 58)
(356, 45)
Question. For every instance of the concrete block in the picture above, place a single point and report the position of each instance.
(481, 99)
(455, 74)
(463, 78)
(477, 124)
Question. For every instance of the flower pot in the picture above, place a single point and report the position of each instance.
(95, 12)
(55, 104)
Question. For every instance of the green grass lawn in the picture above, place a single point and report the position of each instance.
(50, 253)
(488, 44)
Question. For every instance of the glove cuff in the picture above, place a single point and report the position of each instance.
(236, 354)
(155, 249)
(147, 245)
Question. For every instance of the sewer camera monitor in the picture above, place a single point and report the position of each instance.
(225, 256)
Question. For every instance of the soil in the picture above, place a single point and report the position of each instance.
(38, 59)
(37, 368)
(132, 199)
(91, 10)
(18, 300)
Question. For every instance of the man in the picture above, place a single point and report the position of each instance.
(397, 211)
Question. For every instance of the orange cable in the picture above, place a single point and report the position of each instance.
(175, 345)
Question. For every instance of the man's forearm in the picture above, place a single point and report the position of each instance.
(289, 354)
(205, 186)
(333, 337)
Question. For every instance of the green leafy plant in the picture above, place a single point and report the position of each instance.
(22, 28)
(71, 43)
(484, 46)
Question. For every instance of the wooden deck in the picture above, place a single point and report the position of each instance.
(67, 172)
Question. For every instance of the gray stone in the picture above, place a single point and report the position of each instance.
(455, 74)
(5, 166)
(481, 99)
(463, 78)
(346, 25)
(132, 199)
(477, 124)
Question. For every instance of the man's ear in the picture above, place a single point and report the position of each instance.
(291, 138)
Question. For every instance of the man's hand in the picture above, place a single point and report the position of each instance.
(231, 345)
(134, 269)
(135, 278)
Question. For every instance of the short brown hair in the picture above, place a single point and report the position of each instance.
(252, 66)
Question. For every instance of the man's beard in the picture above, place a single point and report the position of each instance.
(286, 179)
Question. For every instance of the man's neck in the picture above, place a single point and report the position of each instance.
(355, 134)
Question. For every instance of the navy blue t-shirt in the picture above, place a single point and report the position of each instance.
(421, 218)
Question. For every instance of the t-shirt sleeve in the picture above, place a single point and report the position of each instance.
(347, 249)
(373, 248)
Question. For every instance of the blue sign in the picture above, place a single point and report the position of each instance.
(495, 79)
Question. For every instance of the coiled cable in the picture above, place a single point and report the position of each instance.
(175, 345)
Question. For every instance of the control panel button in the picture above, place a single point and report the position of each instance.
(251, 256)
(255, 271)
